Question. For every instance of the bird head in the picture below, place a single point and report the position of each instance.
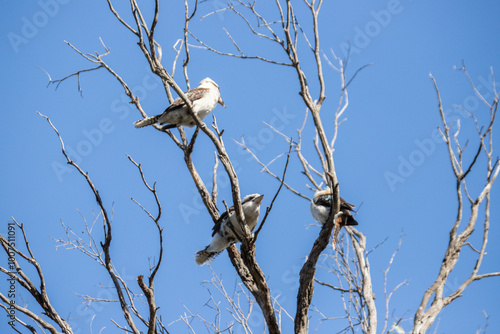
(327, 196)
(251, 209)
(253, 200)
(324, 195)
(209, 83)
(322, 202)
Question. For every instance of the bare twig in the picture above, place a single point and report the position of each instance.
(389, 296)
(107, 232)
(149, 290)
(426, 315)
(77, 74)
(268, 171)
(40, 294)
(269, 208)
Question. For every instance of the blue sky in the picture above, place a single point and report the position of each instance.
(391, 122)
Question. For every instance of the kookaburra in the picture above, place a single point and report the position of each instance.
(204, 98)
(322, 203)
(227, 230)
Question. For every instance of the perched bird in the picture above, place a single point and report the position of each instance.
(227, 230)
(204, 99)
(320, 209)
(322, 203)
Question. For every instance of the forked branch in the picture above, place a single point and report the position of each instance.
(426, 314)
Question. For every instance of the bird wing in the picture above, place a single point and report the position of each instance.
(346, 208)
(324, 200)
(225, 216)
(346, 205)
(192, 94)
(219, 222)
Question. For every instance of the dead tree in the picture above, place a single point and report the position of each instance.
(353, 271)
(435, 294)
(285, 37)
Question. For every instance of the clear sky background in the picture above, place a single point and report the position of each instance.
(392, 118)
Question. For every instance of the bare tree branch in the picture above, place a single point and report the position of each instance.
(270, 207)
(149, 290)
(425, 315)
(41, 295)
(107, 232)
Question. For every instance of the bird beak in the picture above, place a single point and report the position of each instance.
(221, 102)
(258, 200)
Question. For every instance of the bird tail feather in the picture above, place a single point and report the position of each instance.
(204, 255)
(146, 121)
(350, 221)
(347, 218)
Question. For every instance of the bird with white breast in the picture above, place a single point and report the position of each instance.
(204, 99)
(227, 230)
(321, 205)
